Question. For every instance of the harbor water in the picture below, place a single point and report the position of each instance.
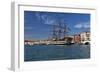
(56, 52)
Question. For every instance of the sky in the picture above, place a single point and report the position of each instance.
(39, 25)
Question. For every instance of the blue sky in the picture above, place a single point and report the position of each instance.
(39, 25)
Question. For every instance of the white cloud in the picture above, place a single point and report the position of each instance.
(45, 19)
(78, 26)
(48, 20)
(82, 25)
(86, 26)
(38, 16)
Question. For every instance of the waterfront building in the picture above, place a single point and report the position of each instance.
(28, 42)
(85, 37)
(77, 38)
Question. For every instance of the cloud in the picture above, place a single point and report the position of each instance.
(45, 19)
(87, 26)
(48, 20)
(78, 26)
(83, 25)
(38, 16)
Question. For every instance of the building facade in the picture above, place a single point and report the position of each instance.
(85, 37)
(77, 38)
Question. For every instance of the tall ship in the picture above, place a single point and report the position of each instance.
(59, 34)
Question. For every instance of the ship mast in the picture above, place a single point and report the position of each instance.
(59, 31)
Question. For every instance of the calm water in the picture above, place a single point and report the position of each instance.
(56, 52)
